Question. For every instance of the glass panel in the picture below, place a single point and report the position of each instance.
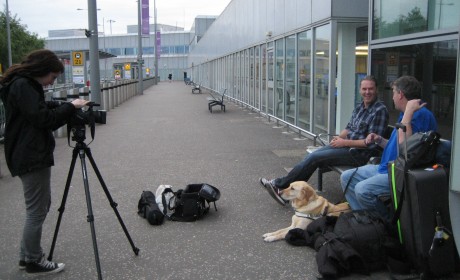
(165, 50)
(238, 78)
(291, 91)
(251, 76)
(434, 64)
(257, 77)
(304, 57)
(321, 90)
(396, 17)
(270, 73)
(279, 74)
(246, 76)
(264, 79)
(130, 51)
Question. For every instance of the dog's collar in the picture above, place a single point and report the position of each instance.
(312, 216)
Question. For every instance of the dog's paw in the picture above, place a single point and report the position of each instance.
(270, 238)
(266, 235)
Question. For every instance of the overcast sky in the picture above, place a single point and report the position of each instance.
(43, 15)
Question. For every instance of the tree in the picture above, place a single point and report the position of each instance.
(22, 41)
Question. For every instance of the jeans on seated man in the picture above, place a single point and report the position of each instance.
(370, 116)
(371, 181)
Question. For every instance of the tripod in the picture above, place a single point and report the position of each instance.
(81, 149)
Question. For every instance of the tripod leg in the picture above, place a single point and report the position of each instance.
(64, 199)
(113, 204)
(90, 217)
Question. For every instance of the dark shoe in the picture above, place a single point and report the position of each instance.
(43, 267)
(22, 264)
(263, 181)
(273, 191)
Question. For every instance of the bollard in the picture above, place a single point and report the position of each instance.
(105, 97)
(125, 91)
(60, 96)
(116, 99)
(84, 93)
(110, 94)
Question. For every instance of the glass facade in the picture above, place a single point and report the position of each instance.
(310, 78)
(433, 64)
(396, 17)
(408, 50)
(275, 77)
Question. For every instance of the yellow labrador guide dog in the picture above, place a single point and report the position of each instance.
(307, 205)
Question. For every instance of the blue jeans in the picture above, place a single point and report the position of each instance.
(323, 157)
(365, 187)
(37, 195)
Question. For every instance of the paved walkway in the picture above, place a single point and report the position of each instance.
(167, 136)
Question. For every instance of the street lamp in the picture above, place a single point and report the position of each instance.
(93, 56)
(110, 22)
(139, 50)
(155, 62)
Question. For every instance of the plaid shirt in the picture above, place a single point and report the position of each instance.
(367, 120)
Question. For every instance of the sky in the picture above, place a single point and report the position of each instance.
(43, 15)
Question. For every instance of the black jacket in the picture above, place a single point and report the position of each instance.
(30, 121)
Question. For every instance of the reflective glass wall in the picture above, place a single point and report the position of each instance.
(289, 77)
(433, 64)
(396, 17)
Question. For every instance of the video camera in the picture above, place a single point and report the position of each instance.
(88, 116)
(80, 118)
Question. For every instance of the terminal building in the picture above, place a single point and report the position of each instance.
(300, 61)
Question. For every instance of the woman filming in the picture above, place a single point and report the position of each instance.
(29, 145)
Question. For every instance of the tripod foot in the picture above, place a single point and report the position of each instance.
(136, 251)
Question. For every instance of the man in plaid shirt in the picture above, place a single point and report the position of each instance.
(370, 116)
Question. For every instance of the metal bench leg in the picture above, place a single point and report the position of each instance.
(320, 180)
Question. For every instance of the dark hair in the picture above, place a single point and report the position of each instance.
(369, 78)
(409, 86)
(37, 64)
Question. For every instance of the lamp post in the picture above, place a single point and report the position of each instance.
(110, 23)
(139, 51)
(155, 63)
(92, 35)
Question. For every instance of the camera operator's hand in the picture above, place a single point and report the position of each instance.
(79, 103)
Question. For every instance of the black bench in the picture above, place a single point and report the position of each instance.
(196, 87)
(216, 99)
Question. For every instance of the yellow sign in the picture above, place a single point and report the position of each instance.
(117, 73)
(127, 66)
(78, 58)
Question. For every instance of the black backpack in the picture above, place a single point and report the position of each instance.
(367, 233)
(192, 203)
(148, 208)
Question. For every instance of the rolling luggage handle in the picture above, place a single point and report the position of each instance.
(404, 129)
(398, 202)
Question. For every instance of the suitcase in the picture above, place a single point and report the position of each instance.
(420, 201)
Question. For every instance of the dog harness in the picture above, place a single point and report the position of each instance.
(312, 216)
